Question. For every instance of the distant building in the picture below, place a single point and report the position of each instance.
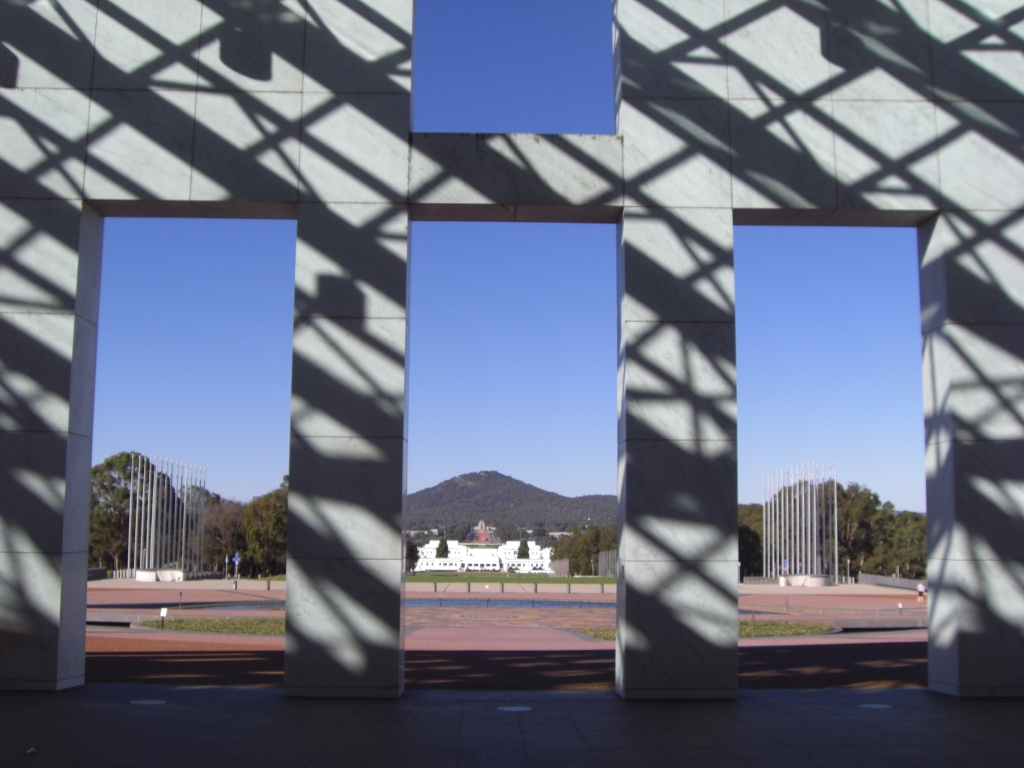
(482, 538)
(469, 559)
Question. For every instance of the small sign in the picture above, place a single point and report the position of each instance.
(163, 613)
(236, 559)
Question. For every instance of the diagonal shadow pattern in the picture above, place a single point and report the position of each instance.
(875, 112)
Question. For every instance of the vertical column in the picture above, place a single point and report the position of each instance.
(347, 480)
(677, 629)
(972, 294)
(677, 456)
(347, 468)
(49, 301)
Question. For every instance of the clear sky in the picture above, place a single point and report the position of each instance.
(513, 339)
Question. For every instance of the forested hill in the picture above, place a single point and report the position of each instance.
(503, 500)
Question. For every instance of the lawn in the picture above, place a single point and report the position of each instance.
(223, 626)
(599, 634)
(749, 629)
(784, 628)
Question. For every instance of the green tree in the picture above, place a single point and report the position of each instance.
(751, 552)
(874, 537)
(861, 524)
(108, 511)
(524, 550)
(751, 535)
(505, 532)
(265, 527)
(901, 546)
(442, 548)
(222, 531)
(412, 556)
(581, 548)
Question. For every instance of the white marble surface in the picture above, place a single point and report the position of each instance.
(355, 516)
(980, 172)
(355, 148)
(140, 145)
(870, 137)
(344, 635)
(350, 50)
(41, 150)
(141, 40)
(351, 260)
(675, 152)
(676, 265)
(973, 374)
(676, 633)
(50, 26)
(30, 583)
(516, 169)
(240, 52)
(981, 516)
(976, 611)
(732, 108)
(247, 145)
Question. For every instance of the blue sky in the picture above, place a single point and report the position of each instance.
(513, 339)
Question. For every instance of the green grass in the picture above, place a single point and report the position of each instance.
(749, 629)
(599, 634)
(223, 626)
(783, 628)
(494, 578)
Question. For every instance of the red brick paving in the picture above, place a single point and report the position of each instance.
(237, 660)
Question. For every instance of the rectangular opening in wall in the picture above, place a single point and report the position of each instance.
(512, 455)
(190, 451)
(828, 348)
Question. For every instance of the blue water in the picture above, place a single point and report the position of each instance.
(468, 602)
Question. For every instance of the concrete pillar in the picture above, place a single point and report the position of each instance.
(49, 303)
(347, 476)
(677, 595)
(972, 294)
(347, 463)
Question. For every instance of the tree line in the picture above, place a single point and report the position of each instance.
(257, 529)
(583, 546)
(873, 536)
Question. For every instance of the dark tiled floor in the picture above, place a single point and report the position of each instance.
(97, 725)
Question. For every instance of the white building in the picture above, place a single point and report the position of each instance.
(539, 560)
(462, 559)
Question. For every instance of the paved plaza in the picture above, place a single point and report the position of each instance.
(503, 642)
(98, 725)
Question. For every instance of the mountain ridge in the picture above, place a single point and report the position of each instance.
(503, 500)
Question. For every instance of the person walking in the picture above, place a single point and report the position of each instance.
(920, 591)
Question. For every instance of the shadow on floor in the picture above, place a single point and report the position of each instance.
(871, 665)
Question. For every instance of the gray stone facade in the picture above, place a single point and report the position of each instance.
(862, 112)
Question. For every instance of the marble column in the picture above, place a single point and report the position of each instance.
(678, 552)
(677, 630)
(347, 462)
(972, 294)
(49, 305)
(348, 445)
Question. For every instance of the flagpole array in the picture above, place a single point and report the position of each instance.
(801, 521)
(166, 510)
